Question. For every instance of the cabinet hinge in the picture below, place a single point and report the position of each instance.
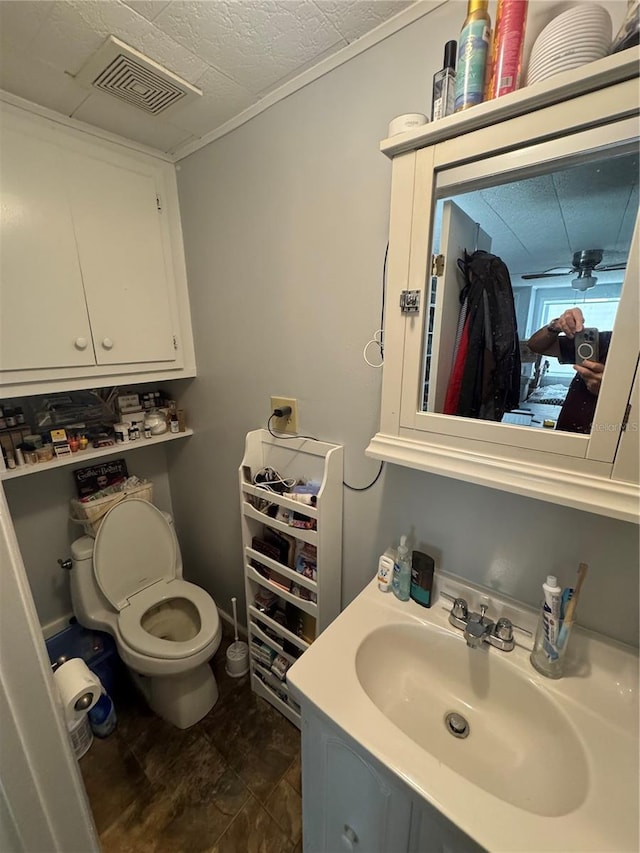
(410, 301)
(175, 342)
(437, 265)
(158, 203)
(625, 419)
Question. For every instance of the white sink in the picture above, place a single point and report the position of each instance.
(416, 675)
(547, 765)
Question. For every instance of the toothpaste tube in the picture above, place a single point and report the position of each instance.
(551, 615)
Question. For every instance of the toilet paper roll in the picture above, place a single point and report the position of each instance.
(78, 687)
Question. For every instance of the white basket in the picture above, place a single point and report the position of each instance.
(91, 514)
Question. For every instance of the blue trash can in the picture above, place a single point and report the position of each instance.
(96, 648)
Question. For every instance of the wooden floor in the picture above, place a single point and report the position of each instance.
(230, 784)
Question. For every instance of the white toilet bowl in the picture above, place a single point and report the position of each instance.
(128, 581)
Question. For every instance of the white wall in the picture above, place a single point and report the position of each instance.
(39, 505)
(285, 224)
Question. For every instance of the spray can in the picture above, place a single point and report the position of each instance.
(506, 63)
(473, 49)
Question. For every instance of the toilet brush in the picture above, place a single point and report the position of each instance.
(238, 651)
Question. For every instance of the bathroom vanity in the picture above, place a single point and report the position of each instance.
(542, 765)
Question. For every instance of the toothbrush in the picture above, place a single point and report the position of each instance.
(567, 622)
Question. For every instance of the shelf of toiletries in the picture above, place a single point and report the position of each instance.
(271, 656)
(309, 536)
(81, 456)
(591, 77)
(291, 512)
(278, 633)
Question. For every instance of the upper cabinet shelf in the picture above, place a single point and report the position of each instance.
(83, 456)
(588, 78)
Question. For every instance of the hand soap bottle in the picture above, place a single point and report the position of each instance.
(401, 584)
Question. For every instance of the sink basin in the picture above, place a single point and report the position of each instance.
(520, 746)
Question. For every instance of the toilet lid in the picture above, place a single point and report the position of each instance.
(135, 547)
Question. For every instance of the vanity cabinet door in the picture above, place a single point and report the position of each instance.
(43, 314)
(431, 833)
(117, 223)
(350, 803)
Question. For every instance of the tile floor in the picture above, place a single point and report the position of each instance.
(230, 784)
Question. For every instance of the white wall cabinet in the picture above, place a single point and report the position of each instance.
(44, 319)
(353, 803)
(92, 266)
(316, 600)
(537, 131)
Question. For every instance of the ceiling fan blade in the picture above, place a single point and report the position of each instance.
(610, 267)
(546, 274)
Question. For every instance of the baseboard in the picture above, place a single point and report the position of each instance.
(52, 628)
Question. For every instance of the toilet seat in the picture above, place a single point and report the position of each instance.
(132, 632)
(135, 562)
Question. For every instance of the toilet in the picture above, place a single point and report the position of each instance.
(128, 582)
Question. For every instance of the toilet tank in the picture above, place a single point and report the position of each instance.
(90, 607)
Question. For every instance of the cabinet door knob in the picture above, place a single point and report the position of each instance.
(107, 343)
(349, 838)
(81, 343)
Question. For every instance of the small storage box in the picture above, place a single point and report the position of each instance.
(90, 513)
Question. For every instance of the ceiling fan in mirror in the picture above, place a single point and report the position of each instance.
(584, 264)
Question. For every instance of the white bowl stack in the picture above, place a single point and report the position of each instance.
(581, 34)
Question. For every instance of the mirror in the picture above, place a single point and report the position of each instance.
(563, 231)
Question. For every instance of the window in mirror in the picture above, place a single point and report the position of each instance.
(563, 237)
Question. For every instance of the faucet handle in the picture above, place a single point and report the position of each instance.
(460, 609)
(503, 629)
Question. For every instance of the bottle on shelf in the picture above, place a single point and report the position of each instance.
(444, 84)
(473, 50)
(511, 19)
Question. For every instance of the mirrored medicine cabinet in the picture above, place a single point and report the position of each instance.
(554, 194)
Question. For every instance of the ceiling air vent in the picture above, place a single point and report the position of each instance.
(123, 72)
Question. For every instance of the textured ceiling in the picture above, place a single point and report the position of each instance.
(538, 223)
(237, 52)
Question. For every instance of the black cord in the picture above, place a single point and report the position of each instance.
(313, 438)
(284, 437)
(364, 488)
(384, 287)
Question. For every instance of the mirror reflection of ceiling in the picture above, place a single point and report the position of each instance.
(538, 223)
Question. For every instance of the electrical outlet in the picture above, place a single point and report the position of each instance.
(290, 423)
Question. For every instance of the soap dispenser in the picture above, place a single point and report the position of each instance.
(401, 584)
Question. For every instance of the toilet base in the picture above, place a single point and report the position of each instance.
(182, 700)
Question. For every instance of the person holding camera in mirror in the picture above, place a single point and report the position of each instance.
(567, 339)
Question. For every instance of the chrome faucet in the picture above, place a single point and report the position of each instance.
(478, 629)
